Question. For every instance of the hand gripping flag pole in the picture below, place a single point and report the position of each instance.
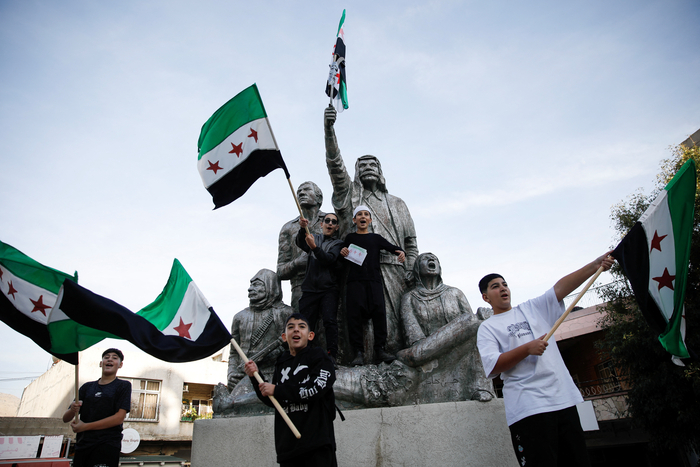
(573, 304)
(272, 398)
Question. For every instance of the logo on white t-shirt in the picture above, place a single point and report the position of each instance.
(519, 329)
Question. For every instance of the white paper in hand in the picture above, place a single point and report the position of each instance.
(357, 254)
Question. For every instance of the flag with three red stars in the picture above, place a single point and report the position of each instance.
(179, 326)
(654, 256)
(236, 147)
(28, 292)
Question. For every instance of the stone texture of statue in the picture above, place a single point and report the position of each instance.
(259, 327)
(440, 330)
(291, 260)
(390, 219)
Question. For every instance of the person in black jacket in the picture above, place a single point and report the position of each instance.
(320, 287)
(303, 385)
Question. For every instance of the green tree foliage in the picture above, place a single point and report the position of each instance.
(663, 398)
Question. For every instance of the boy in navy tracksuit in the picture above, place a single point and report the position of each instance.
(364, 292)
(303, 385)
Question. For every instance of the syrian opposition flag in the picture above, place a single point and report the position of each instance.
(236, 147)
(179, 326)
(336, 86)
(654, 256)
(28, 292)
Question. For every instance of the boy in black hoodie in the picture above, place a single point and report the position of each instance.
(303, 385)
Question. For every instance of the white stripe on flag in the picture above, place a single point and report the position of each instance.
(193, 311)
(220, 160)
(25, 292)
(657, 221)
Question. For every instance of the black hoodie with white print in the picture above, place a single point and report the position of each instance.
(304, 389)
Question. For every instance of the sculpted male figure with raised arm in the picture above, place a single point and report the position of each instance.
(390, 219)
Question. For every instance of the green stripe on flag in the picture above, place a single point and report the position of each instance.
(342, 20)
(244, 107)
(161, 312)
(32, 271)
(67, 336)
(681, 203)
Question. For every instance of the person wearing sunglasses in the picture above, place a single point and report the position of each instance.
(320, 289)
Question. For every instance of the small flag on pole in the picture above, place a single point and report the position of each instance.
(336, 86)
(236, 147)
(179, 326)
(29, 291)
(654, 256)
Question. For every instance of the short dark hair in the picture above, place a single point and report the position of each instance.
(113, 350)
(298, 316)
(331, 214)
(484, 282)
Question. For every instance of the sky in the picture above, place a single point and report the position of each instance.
(509, 128)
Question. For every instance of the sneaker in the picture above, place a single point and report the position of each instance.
(381, 355)
(358, 361)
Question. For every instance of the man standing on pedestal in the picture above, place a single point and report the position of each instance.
(291, 260)
(390, 219)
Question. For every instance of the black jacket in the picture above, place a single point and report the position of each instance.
(304, 389)
(321, 268)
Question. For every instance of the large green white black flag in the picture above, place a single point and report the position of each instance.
(654, 256)
(236, 147)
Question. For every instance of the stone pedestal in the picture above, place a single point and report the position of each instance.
(461, 434)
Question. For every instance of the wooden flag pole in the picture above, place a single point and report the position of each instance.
(573, 304)
(296, 200)
(77, 386)
(272, 398)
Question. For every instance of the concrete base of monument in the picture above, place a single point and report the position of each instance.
(466, 433)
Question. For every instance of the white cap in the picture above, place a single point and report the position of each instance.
(361, 207)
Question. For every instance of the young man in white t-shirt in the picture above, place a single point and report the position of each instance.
(539, 394)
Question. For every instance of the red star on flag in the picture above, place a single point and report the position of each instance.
(0, 274)
(214, 166)
(666, 280)
(183, 330)
(39, 305)
(253, 134)
(238, 150)
(656, 241)
(12, 291)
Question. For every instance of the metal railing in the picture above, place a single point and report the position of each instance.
(604, 387)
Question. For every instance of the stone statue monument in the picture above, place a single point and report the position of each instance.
(390, 219)
(291, 260)
(258, 330)
(440, 330)
(440, 362)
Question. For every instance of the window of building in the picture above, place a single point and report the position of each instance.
(145, 399)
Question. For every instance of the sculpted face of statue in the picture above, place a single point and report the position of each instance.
(309, 194)
(256, 291)
(428, 265)
(368, 170)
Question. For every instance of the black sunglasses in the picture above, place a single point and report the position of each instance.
(330, 220)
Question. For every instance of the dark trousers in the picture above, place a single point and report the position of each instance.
(324, 304)
(365, 300)
(97, 456)
(550, 439)
(321, 457)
